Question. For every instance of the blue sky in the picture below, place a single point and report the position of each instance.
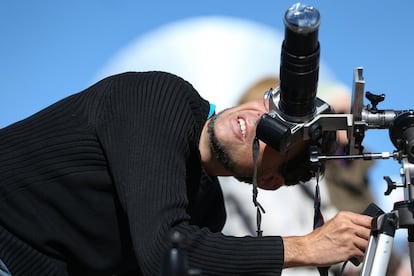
(50, 49)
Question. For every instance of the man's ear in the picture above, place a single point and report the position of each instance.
(270, 181)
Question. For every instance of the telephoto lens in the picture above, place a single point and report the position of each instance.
(294, 103)
(299, 67)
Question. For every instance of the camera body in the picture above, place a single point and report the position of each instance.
(281, 132)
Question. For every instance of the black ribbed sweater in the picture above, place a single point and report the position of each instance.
(93, 184)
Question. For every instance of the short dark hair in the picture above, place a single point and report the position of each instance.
(297, 170)
(300, 169)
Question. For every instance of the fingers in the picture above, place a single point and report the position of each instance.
(360, 246)
(347, 235)
(357, 229)
(339, 239)
(363, 232)
(362, 220)
(357, 219)
(354, 224)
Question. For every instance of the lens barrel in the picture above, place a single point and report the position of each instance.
(299, 67)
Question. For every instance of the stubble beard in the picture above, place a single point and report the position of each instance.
(218, 149)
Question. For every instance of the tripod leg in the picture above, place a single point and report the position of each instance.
(369, 255)
(382, 255)
(377, 256)
(411, 247)
(380, 245)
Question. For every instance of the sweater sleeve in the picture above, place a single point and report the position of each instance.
(149, 127)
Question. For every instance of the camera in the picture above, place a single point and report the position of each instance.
(295, 111)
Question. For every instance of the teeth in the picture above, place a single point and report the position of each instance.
(242, 125)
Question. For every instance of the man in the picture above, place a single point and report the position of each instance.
(96, 183)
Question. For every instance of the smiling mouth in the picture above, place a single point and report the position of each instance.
(242, 126)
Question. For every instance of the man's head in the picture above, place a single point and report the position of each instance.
(235, 158)
(226, 147)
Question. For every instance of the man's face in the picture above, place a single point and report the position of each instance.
(231, 135)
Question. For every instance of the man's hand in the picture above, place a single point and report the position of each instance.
(341, 238)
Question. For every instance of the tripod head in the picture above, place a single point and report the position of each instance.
(400, 124)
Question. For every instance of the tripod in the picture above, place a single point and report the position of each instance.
(384, 226)
(400, 124)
